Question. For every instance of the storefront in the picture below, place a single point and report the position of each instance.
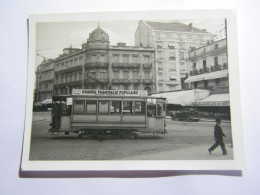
(214, 105)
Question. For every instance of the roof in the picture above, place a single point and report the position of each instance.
(98, 35)
(174, 26)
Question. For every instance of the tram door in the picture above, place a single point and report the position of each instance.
(155, 115)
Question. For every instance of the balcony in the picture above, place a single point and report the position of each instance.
(119, 81)
(148, 81)
(49, 78)
(70, 69)
(96, 65)
(125, 65)
(95, 80)
(136, 80)
(60, 85)
(147, 66)
(204, 70)
(195, 72)
(160, 80)
(71, 83)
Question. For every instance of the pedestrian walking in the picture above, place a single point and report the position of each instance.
(218, 135)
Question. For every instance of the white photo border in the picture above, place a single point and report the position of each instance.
(235, 104)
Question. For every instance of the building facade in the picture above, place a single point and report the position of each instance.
(172, 42)
(208, 67)
(44, 80)
(99, 65)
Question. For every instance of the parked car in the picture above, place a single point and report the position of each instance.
(184, 115)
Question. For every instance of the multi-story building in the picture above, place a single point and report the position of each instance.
(208, 67)
(209, 70)
(99, 65)
(44, 80)
(172, 42)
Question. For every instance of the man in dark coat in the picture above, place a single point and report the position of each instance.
(218, 135)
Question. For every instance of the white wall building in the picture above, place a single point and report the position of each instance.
(208, 67)
(172, 42)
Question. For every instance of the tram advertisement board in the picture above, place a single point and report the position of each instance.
(109, 92)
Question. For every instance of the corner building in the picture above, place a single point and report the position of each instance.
(99, 65)
(208, 67)
(172, 42)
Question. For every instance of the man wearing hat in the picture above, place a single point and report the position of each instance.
(218, 135)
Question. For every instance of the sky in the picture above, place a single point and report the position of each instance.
(52, 37)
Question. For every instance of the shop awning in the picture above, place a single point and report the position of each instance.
(208, 76)
(214, 100)
(195, 78)
(184, 98)
(216, 75)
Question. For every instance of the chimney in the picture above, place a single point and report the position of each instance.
(191, 27)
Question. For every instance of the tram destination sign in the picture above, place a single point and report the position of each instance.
(109, 92)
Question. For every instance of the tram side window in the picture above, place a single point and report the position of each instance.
(115, 107)
(139, 107)
(91, 107)
(78, 107)
(103, 107)
(127, 107)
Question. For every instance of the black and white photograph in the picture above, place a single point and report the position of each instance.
(132, 92)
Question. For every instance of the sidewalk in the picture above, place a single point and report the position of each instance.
(192, 153)
(37, 118)
(204, 120)
(41, 117)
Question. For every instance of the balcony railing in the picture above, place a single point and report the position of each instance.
(97, 65)
(147, 66)
(207, 69)
(148, 81)
(127, 81)
(49, 78)
(95, 80)
(125, 65)
(136, 80)
(69, 69)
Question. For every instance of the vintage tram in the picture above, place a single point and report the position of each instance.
(99, 113)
